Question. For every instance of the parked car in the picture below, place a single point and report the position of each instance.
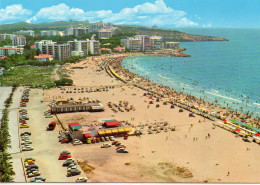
(111, 138)
(29, 158)
(114, 142)
(122, 150)
(25, 133)
(77, 142)
(64, 156)
(24, 126)
(102, 139)
(32, 166)
(27, 148)
(88, 141)
(65, 152)
(38, 178)
(81, 179)
(105, 145)
(34, 174)
(73, 172)
(65, 140)
(67, 163)
(107, 138)
(32, 171)
(26, 142)
(97, 140)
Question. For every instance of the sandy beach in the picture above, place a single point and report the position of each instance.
(196, 151)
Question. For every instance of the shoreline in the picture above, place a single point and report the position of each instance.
(117, 65)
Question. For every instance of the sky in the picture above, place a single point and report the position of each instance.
(163, 13)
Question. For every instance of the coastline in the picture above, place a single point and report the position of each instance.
(229, 113)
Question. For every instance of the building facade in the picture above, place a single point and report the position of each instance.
(44, 57)
(94, 47)
(105, 33)
(10, 50)
(19, 40)
(58, 51)
(49, 33)
(25, 32)
(96, 26)
(6, 36)
(76, 31)
(172, 45)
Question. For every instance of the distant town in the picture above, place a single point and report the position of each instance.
(98, 42)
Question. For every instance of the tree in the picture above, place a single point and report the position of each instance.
(38, 52)
(27, 47)
(64, 82)
(6, 42)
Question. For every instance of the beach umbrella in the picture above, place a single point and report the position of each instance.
(224, 120)
(238, 130)
(257, 134)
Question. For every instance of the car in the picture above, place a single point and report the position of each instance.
(32, 166)
(81, 179)
(27, 148)
(32, 171)
(97, 140)
(105, 145)
(67, 163)
(73, 172)
(33, 174)
(122, 150)
(25, 133)
(29, 158)
(65, 152)
(77, 142)
(48, 116)
(65, 140)
(93, 140)
(111, 138)
(64, 156)
(102, 139)
(72, 168)
(107, 138)
(118, 144)
(38, 178)
(28, 163)
(88, 141)
(24, 126)
(25, 137)
(114, 142)
(26, 142)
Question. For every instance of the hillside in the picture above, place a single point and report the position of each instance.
(168, 35)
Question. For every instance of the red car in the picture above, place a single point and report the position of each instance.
(64, 140)
(64, 156)
(97, 140)
(114, 142)
(126, 136)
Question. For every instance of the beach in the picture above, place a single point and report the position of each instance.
(197, 151)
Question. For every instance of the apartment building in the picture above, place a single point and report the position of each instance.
(76, 31)
(172, 45)
(58, 51)
(25, 32)
(94, 46)
(6, 36)
(143, 43)
(19, 40)
(81, 46)
(96, 26)
(105, 33)
(10, 50)
(49, 33)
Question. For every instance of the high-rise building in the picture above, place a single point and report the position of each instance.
(79, 45)
(171, 45)
(49, 33)
(76, 31)
(10, 50)
(58, 51)
(96, 26)
(25, 32)
(6, 36)
(143, 43)
(94, 46)
(105, 33)
(19, 40)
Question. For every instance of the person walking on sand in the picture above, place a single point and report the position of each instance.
(228, 173)
(209, 135)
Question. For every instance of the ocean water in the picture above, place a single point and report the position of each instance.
(227, 73)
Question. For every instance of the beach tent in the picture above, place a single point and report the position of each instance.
(120, 130)
(114, 131)
(101, 132)
(112, 123)
(108, 131)
(75, 126)
(127, 129)
(87, 135)
(238, 130)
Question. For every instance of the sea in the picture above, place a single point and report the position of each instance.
(226, 73)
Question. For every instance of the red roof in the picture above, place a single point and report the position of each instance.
(74, 124)
(33, 47)
(112, 123)
(87, 135)
(43, 56)
(3, 57)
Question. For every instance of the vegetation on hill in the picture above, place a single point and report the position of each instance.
(114, 41)
(168, 35)
(6, 42)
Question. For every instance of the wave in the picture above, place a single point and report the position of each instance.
(164, 77)
(226, 97)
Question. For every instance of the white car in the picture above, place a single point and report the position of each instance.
(77, 142)
(105, 145)
(26, 142)
(81, 179)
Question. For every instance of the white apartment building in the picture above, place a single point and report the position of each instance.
(25, 32)
(49, 33)
(6, 36)
(10, 50)
(19, 40)
(105, 33)
(81, 47)
(58, 51)
(76, 31)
